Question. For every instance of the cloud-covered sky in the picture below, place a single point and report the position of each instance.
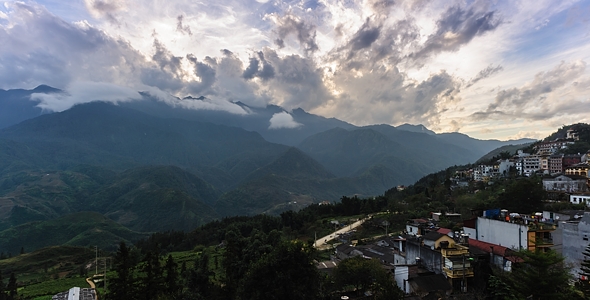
(490, 69)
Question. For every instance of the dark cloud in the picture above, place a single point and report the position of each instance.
(205, 73)
(253, 70)
(374, 44)
(166, 61)
(365, 37)
(180, 27)
(485, 73)
(303, 32)
(387, 95)
(45, 49)
(297, 81)
(455, 28)
(534, 93)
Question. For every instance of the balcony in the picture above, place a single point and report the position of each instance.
(458, 273)
(459, 251)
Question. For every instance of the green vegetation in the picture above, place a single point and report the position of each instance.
(48, 288)
(78, 229)
(540, 275)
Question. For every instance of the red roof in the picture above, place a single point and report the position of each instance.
(444, 230)
(498, 250)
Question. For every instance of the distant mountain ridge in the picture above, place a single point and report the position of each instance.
(150, 167)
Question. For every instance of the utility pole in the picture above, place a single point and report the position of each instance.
(96, 260)
(105, 274)
(463, 287)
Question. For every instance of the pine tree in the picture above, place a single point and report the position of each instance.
(12, 287)
(171, 281)
(152, 283)
(121, 287)
(2, 288)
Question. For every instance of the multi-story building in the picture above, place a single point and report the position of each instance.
(513, 231)
(579, 199)
(581, 169)
(457, 263)
(544, 159)
(556, 164)
(571, 159)
(576, 237)
(531, 164)
(566, 183)
(552, 147)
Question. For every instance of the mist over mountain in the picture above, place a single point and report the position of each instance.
(150, 165)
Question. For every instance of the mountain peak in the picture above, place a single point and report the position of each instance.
(46, 89)
(416, 128)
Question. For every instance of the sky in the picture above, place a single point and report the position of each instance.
(489, 69)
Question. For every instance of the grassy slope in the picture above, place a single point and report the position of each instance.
(78, 229)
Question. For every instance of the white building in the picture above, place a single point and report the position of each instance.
(579, 199)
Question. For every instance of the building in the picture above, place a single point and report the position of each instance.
(579, 199)
(76, 293)
(566, 183)
(457, 262)
(531, 164)
(552, 147)
(580, 169)
(417, 226)
(500, 256)
(571, 159)
(556, 164)
(513, 231)
(576, 237)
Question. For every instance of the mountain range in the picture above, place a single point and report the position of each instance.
(150, 166)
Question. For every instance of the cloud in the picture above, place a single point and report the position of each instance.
(292, 25)
(390, 96)
(84, 92)
(283, 120)
(536, 99)
(253, 70)
(483, 74)
(457, 27)
(185, 29)
(105, 8)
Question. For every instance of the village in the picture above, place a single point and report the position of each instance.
(430, 261)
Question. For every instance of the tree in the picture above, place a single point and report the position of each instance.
(2, 292)
(122, 286)
(171, 280)
(11, 288)
(361, 275)
(288, 272)
(524, 195)
(152, 281)
(542, 275)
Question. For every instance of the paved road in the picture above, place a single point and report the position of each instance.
(320, 243)
(92, 286)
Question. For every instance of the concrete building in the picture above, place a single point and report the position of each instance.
(576, 235)
(566, 183)
(579, 199)
(580, 169)
(76, 293)
(556, 164)
(531, 164)
(513, 232)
